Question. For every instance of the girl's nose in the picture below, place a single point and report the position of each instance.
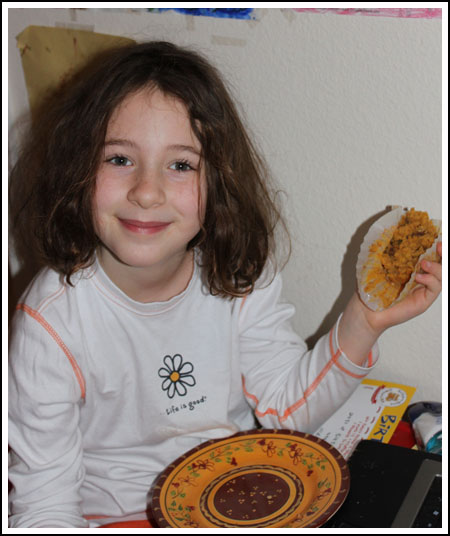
(147, 190)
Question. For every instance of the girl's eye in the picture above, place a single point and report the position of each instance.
(182, 166)
(119, 161)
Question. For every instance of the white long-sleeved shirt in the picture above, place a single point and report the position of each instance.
(105, 391)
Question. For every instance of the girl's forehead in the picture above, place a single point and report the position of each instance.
(154, 99)
(151, 111)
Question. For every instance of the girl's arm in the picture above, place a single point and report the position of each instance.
(287, 384)
(46, 465)
(360, 327)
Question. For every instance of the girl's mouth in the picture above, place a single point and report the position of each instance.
(144, 227)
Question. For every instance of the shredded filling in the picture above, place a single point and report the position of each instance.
(413, 235)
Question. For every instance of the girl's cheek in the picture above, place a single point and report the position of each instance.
(107, 192)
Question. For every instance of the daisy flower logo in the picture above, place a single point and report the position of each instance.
(177, 375)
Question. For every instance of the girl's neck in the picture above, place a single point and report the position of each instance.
(146, 285)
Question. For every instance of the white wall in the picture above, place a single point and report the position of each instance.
(347, 110)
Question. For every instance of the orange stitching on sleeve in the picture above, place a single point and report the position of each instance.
(308, 391)
(300, 402)
(311, 388)
(34, 314)
(352, 374)
(269, 411)
(336, 362)
(296, 405)
(253, 397)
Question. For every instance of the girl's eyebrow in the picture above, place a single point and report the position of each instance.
(179, 147)
(120, 141)
(129, 143)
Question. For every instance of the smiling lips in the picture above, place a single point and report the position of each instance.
(144, 227)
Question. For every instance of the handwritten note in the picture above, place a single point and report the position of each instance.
(372, 412)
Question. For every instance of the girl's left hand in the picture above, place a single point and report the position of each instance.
(418, 301)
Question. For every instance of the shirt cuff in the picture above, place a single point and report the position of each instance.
(340, 356)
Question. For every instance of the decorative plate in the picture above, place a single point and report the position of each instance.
(259, 478)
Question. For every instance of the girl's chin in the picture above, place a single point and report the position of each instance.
(138, 260)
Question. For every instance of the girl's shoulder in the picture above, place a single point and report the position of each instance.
(45, 284)
(46, 289)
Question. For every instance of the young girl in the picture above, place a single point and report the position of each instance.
(157, 322)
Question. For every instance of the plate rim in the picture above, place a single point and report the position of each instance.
(155, 503)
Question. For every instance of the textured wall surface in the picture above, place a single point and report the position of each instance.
(347, 111)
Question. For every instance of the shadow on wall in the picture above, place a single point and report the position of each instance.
(348, 277)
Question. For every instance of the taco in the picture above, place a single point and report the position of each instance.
(391, 254)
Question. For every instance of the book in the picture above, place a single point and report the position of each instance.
(373, 411)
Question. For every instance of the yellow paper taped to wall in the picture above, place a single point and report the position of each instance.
(51, 56)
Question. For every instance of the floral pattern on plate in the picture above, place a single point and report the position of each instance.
(259, 478)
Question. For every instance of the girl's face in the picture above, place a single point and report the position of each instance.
(146, 202)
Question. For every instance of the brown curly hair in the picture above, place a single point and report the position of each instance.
(53, 181)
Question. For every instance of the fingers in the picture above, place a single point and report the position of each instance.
(432, 278)
(433, 268)
(430, 282)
